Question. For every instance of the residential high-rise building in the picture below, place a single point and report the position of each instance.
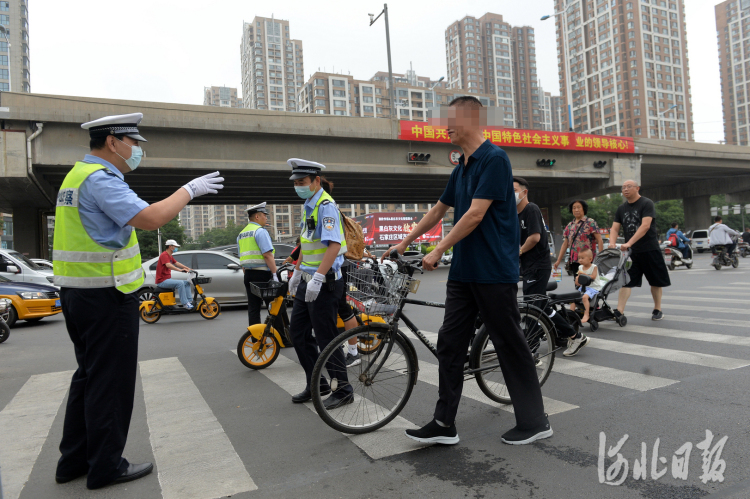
(15, 62)
(343, 95)
(272, 65)
(558, 114)
(221, 96)
(732, 27)
(489, 56)
(628, 62)
(197, 219)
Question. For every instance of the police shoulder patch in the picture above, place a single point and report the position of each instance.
(329, 223)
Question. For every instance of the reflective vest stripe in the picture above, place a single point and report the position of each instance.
(98, 257)
(313, 249)
(246, 253)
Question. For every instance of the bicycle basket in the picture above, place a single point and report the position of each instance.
(269, 290)
(203, 280)
(373, 293)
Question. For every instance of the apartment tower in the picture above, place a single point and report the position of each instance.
(733, 32)
(489, 56)
(221, 97)
(628, 67)
(272, 65)
(15, 65)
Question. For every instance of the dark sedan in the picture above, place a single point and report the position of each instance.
(31, 302)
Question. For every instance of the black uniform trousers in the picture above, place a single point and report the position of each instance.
(103, 325)
(254, 303)
(321, 316)
(499, 308)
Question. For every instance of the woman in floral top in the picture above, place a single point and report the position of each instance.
(580, 234)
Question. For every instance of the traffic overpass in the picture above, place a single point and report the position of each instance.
(41, 139)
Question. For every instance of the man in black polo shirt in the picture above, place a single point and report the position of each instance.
(483, 278)
(637, 217)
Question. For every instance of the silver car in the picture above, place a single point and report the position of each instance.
(227, 280)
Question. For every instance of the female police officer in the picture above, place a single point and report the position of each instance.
(317, 283)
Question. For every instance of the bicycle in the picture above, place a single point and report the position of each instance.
(383, 382)
(260, 345)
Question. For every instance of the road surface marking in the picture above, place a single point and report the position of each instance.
(692, 308)
(699, 298)
(673, 292)
(689, 319)
(24, 426)
(608, 375)
(387, 441)
(194, 457)
(727, 339)
(698, 359)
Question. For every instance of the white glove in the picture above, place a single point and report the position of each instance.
(207, 184)
(294, 281)
(275, 277)
(313, 287)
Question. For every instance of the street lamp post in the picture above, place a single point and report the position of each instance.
(392, 92)
(4, 31)
(432, 89)
(660, 117)
(567, 66)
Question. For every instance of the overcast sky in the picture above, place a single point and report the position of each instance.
(159, 50)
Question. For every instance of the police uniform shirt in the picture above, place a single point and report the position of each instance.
(106, 204)
(262, 238)
(327, 229)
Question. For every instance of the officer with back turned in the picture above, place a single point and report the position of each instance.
(97, 264)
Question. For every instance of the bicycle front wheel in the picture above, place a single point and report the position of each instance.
(538, 331)
(382, 381)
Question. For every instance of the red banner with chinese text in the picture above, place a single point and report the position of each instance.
(512, 137)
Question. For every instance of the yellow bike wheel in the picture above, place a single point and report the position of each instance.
(367, 343)
(209, 310)
(257, 354)
(151, 314)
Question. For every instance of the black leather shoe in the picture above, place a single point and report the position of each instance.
(306, 395)
(66, 479)
(134, 472)
(334, 402)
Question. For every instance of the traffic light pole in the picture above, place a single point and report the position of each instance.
(390, 68)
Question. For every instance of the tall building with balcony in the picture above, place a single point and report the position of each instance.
(625, 65)
(487, 55)
(15, 60)
(221, 97)
(272, 65)
(733, 32)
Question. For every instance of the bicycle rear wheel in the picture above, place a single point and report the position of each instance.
(538, 331)
(382, 381)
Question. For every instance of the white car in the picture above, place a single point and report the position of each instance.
(20, 268)
(45, 264)
(227, 284)
(700, 240)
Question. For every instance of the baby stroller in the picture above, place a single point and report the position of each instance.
(612, 275)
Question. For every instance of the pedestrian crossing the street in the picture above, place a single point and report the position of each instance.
(195, 457)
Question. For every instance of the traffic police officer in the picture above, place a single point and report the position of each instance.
(97, 263)
(317, 283)
(256, 257)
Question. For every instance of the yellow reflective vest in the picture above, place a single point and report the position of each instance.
(250, 255)
(314, 249)
(79, 261)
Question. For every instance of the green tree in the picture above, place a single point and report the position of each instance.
(149, 242)
(668, 212)
(732, 220)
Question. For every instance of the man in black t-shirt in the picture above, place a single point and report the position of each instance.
(637, 217)
(536, 265)
(746, 235)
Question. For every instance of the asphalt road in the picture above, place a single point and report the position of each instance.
(215, 428)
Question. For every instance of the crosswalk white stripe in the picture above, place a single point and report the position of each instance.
(699, 359)
(608, 375)
(24, 426)
(633, 302)
(745, 301)
(731, 285)
(194, 457)
(690, 319)
(727, 339)
(387, 441)
(429, 374)
(704, 293)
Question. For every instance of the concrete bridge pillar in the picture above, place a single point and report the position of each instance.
(30, 232)
(697, 212)
(555, 224)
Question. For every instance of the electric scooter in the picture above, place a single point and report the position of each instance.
(164, 302)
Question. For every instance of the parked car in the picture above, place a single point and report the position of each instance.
(227, 284)
(620, 240)
(700, 240)
(30, 301)
(281, 253)
(19, 268)
(45, 264)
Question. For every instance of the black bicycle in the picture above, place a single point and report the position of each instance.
(384, 379)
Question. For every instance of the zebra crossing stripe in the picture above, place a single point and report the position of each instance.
(633, 302)
(608, 375)
(692, 320)
(387, 441)
(727, 339)
(745, 301)
(194, 457)
(698, 359)
(24, 426)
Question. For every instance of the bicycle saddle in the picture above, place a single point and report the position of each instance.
(566, 296)
(162, 290)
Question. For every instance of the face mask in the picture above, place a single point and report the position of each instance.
(519, 199)
(175, 250)
(304, 191)
(136, 153)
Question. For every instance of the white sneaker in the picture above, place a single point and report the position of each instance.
(575, 345)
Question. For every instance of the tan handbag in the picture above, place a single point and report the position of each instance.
(355, 237)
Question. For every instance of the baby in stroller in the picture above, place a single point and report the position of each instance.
(588, 269)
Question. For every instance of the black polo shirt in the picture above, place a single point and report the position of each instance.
(490, 253)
